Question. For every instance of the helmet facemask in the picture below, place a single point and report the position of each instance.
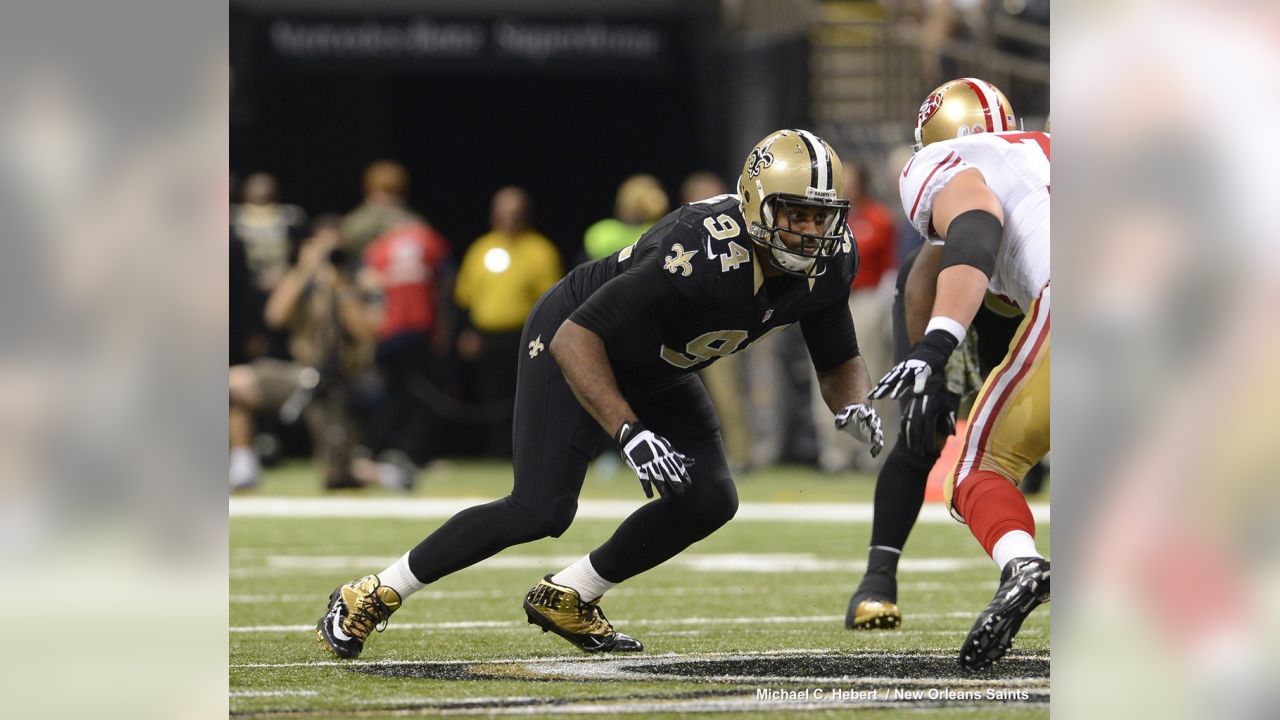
(810, 256)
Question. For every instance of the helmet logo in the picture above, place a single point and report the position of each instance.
(759, 159)
(928, 108)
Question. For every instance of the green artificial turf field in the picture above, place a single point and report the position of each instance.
(748, 621)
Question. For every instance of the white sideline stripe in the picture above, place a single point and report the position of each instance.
(679, 591)
(272, 693)
(429, 508)
(730, 562)
(507, 624)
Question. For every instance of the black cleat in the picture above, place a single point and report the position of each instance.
(1024, 585)
(559, 609)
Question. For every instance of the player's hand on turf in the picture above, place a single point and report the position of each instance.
(654, 461)
(860, 421)
(929, 416)
(928, 357)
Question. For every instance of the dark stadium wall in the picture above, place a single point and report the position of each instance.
(568, 129)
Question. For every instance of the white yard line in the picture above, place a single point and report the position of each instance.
(679, 591)
(772, 563)
(439, 509)
(655, 622)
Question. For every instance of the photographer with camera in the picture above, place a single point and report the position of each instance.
(331, 328)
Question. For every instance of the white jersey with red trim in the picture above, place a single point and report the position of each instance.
(1015, 166)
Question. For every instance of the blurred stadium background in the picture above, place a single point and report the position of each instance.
(569, 101)
(115, 131)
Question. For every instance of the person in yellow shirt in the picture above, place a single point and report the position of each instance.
(503, 274)
(640, 203)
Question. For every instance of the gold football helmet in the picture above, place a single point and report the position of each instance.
(787, 171)
(965, 106)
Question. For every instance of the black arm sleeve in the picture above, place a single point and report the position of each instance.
(625, 306)
(973, 239)
(830, 336)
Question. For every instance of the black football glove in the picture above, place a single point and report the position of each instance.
(928, 357)
(860, 421)
(653, 459)
(930, 417)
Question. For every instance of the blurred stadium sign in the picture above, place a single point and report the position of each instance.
(500, 44)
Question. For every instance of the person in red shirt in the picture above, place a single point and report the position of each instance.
(870, 302)
(409, 266)
(873, 229)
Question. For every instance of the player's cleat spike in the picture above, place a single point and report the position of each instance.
(872, 614)
(1024, 585)
(356, 610)
(559, 609)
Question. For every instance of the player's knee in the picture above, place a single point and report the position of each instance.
(717, 505)
(554, 518)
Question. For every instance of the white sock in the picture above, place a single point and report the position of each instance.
(244, 467)
(582, 577)
(400, 578)
(1013, 544)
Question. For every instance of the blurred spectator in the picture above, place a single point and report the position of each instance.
(331, 330)
(386, 185)
(503, 274)
(640, 203)
(408, 268)
(701, 185)
(244, 307)
(871, 303)
(724, 379)
(267, 228)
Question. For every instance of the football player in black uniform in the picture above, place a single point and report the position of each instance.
(611, 350)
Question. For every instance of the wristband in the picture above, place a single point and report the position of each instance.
(942, 322)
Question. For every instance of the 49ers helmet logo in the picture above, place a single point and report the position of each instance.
(928, 108)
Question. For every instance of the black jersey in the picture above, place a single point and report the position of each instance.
(691, 290)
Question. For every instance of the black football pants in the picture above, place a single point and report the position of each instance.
(554, 440)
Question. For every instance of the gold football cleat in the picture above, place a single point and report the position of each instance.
(876, 615)
(559, 609)
(355, 611)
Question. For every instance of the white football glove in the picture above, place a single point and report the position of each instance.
(653, 459)
(928, 357)
(860, 421)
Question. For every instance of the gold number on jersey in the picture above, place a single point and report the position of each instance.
(737, 255)
(706, 346)
(625, 252)
(722, 227)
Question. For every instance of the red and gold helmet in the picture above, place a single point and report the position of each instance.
(963, 107)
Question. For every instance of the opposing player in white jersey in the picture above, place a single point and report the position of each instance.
(978, 190)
